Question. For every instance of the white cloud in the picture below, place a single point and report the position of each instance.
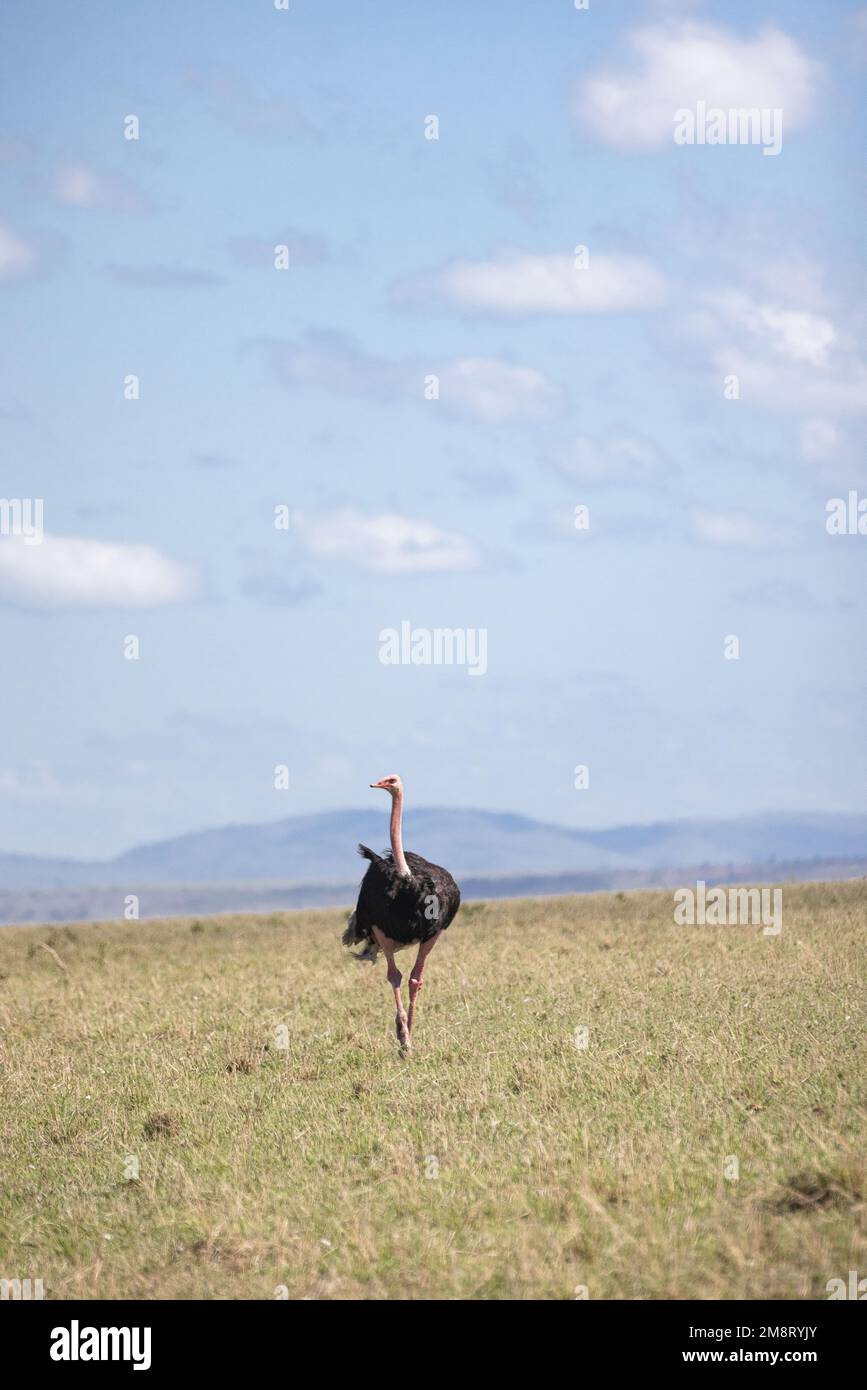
(73, 572)
(838, 390)
(19, 257)
(734, 530)
(518, 282)
(486, 389)
(788, 358)
(388, 544)
(794, 334)
(800, 336)
(78, 185)
(671, 66)
(620, 460)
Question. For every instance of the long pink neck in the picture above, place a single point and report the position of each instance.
(396, 838)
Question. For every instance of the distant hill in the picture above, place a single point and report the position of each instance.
(259, 895)
(320, 849)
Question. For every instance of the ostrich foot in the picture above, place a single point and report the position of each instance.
(403, 1033)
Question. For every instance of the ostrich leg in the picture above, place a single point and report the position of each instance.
(394, 979)
(415, 980)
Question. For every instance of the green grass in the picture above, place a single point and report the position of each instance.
(555, 1167)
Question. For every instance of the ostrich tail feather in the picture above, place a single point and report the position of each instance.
(353, 937)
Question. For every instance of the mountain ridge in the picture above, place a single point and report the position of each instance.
(320, 847)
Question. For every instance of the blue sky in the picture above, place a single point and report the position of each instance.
(412, 257)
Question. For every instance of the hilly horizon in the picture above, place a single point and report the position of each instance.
(320, 848)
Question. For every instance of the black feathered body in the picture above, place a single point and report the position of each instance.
(408, 910)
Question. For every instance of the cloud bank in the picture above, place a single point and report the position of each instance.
(74, 572)
(631, 104)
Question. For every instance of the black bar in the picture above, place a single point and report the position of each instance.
(243, 1337)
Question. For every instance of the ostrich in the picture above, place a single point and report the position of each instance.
(403, 900)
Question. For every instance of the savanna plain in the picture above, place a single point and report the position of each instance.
(599, 1103)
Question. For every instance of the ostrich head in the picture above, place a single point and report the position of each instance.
(393, 785)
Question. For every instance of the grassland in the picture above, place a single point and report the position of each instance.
(217, 1108)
